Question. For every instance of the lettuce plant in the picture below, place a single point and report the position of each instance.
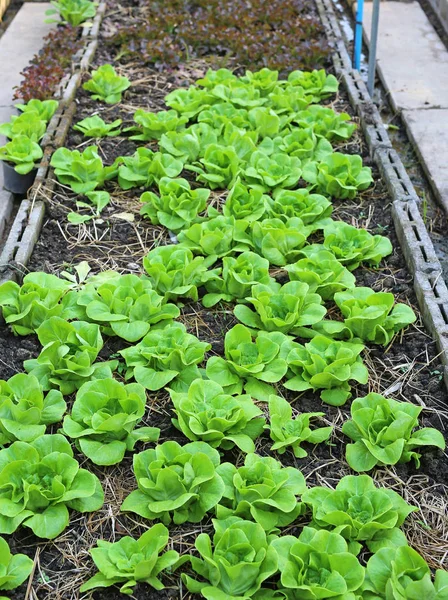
(218, 168)
(134, 170)
(317, 84)
(126, 306)
(104, 418)
(269, 172)
(305, 145)
(279, 241)
(286, 308)
(238, 94)
(206, 413)
(14, 568)
(339, 175)
(288, 101)
(175, 483)
(250, 364)
(189, 102)
(317, 564)
(39, 297)
(242, 142)
(288, 432)
(264, 121)
(213, 78)
(165, 165)
(245, 203)
(372, 316)
(177, 206)
(360, 512)
(312, 209)
(219, 115)
(174, 272)
(352, 246)
(44, 109)
(235, 564)
(95, 127)
(67, 359)
(130, 561)
(24, 410)
(96, 202)
(153, 125)
(106, 85)
(81, 171)
(23, 153)
(327, 365)
(273, 145)
(238, 276)
(74, 12)
(270, 145)
(383, 433)
(165, 355)
(39, 482)
(145, 167)
(262, 490)
(217, 237)
(400, 572)
(264, 80)
(80, 274)
(323, 273)
(325, 122)
(188, 145)
(28, 124)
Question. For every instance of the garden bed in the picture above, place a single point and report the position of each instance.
(408, 369)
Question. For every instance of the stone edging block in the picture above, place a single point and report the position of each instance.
(340, 55)
(397, 180)
(6, 207)
(7, 269)
(415, 242)
(432, 296)
(371, 122)
(31, 233)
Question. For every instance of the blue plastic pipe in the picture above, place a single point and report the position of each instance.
(358, 35)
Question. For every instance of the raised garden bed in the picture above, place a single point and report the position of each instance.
(407, 369)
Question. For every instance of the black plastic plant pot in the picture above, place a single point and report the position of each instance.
(15, 182)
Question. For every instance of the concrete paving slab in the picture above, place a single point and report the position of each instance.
(412, 60)
(428, 130)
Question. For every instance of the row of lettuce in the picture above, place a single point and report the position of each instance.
(246, 549)
(264, 140)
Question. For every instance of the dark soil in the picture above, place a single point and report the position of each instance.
(407, 370)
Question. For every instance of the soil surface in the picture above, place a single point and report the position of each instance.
(407, 370)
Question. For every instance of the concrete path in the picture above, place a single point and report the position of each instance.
(20, 42)
(413, 66)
